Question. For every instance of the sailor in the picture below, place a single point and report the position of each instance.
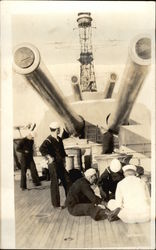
(81, 199)
(25, 147)
(53, 149)
(109, 179)
(127, 160)
(132, 197)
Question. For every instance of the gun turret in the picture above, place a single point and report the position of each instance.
(27, 62)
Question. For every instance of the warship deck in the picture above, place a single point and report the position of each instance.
(40, 226)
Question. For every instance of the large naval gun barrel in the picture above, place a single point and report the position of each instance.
(135, 72)
(27, 62)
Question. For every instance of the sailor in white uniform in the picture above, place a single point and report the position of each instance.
(132, 196)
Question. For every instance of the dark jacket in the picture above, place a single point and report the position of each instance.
(110, 179)
(25, 147)
(81, 192)
(53, 147)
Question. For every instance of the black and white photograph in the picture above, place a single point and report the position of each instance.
(77, 125)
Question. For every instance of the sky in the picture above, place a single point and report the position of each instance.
(52, 27)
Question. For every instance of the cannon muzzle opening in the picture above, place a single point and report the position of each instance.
(143, 48)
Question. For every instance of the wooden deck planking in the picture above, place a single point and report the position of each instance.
(25, 217)
(59, 229)
(60, 239)
(146, 231)
(115, 234)
(66, 238)
(135, 235)
(95, 234)
(29, 212)
(81, 232)
(24, 238)
(105, 237)
(101, 232)
(40, 225)
(88, 232)
(56, 221)
(50, 227)
(120, 231)
(74, 233)
(108, 235)
(28, 231)
(23, 201)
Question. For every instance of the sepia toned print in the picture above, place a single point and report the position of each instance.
(78, 125)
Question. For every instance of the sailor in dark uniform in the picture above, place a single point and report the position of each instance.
(25, 147)
(52, 148)
(81, 199)
(109, 179)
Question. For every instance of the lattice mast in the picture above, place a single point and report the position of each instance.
(87, 74)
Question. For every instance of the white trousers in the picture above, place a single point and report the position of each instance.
(128, 215)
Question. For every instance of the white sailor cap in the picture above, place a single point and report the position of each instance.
(54, 125)
(89, 172)
(115, 165)
(129, 167)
